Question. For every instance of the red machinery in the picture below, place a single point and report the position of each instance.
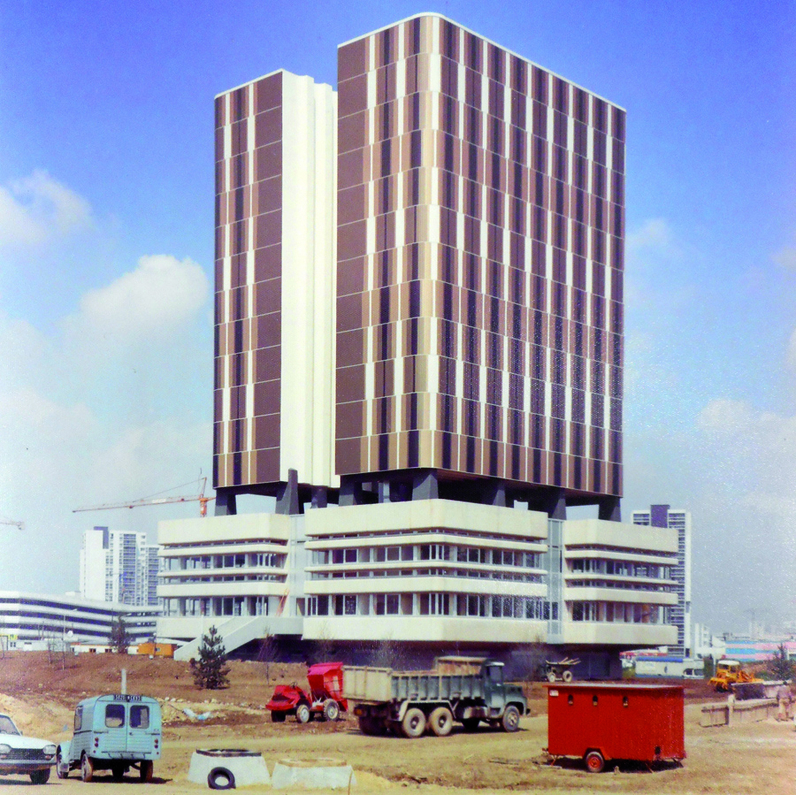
(325, 697)
(600, 722)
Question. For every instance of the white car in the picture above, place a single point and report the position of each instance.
(27, 755)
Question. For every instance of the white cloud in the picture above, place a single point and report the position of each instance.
(653, 234)
(36, 208)
(786, 257)
(161, 294)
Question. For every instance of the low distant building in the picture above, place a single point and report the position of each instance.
(748, 651)
(30, 621)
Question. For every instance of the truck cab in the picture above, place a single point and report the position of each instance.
(113, 732)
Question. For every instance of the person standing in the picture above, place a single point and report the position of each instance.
(783, 702)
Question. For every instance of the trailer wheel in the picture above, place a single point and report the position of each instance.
(440, 721)
(567, 676)
(414, 723)
(278, 717)
(331, 709)
(470, 724)
(86, 768)
(302, 713)
(594, 762)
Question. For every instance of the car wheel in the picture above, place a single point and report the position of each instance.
(146, 770)
(61, 772)
(302, 713)
(86, 768)
(40, 776)
(331, 709)
(118, 771)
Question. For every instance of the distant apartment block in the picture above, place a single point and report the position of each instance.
(680, 521)
(119, 566)
(418, 352)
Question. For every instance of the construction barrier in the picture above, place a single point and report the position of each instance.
(730, 712)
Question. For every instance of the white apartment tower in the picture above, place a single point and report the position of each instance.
(118, 566)
(679, 520)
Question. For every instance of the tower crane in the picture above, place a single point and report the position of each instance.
(20, 525)
(158, 500)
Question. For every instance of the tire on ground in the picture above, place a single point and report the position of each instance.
(440, 721)
(414, 723)
(221, 778)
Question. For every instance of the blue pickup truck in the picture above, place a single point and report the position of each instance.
(113, 733)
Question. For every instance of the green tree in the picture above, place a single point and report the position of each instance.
(780, 666)
(120, 637)
(210, 670)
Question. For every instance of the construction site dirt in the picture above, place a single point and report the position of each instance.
(41, 690)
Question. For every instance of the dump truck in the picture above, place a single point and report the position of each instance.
(730, 672)
(408, 703)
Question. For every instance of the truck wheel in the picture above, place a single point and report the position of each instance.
(440, 721)
(367, 726)
(567, 676)
(40, 776)
(146, 769)
(511, 719)
(470, 724)
(61, 773)
(277, 717)
(86, 768)
(414, 723)
(594, 762)
(331, 709)
(302, 713)
(551, 677)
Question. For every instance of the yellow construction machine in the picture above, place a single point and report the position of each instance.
(730, 672)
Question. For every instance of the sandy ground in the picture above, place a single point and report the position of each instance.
(40, 694)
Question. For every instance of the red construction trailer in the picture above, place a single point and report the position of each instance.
(607, 721)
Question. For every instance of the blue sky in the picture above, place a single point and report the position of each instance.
(106, 189)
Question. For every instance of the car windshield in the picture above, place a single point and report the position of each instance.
(7, 725)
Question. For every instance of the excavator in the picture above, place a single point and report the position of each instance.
(730, 672)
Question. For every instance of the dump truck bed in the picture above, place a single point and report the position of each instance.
(377, 685)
